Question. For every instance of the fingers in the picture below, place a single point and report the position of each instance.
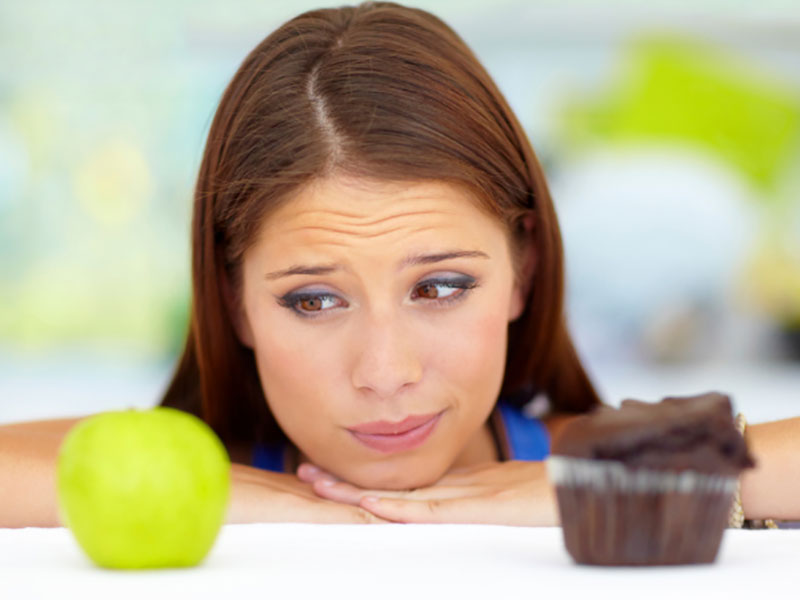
(367, 518)
(337, 491)
(511, 493)
(484, 509)
(358, 515)
(340, 491)
(464, 477)
(433, 510)
(311, 473)
(331, 488)
(323, 511)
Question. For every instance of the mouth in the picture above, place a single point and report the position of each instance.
(388, 437)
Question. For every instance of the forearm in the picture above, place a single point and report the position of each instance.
(27, 479)
(28, 496)
(252, 499)
(259, 496)
(772, 488)
(28, 460)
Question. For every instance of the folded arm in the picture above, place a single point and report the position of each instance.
(28, 497)
(519, 493)
(772, 489)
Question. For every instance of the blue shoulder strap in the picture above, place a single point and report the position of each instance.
(268, 457)
(527, 436)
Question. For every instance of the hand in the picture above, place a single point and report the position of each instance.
(500, 493)
(259, 496)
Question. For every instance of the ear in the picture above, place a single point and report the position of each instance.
(524, 279)
(236, 311)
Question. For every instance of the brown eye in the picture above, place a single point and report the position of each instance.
(311, 304)
(443, 290)
(427, 290)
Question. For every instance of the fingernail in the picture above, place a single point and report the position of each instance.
(369, 499)
(312, 470)
(327, 482)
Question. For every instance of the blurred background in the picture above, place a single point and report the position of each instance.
(669, 131)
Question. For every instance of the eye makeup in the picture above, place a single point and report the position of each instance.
(461, 285)
(310, 304)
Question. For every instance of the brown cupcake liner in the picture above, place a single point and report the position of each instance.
(612, 515)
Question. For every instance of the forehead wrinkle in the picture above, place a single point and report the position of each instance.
(319, 219)
(350, 232)
(362, 220)
(335, 241)
(318, 222)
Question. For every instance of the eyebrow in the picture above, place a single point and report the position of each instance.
(409, 261)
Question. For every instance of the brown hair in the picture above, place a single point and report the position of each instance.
(380, 91)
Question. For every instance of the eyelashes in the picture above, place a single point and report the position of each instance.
(459, 286)
(307, 303)
(435, 291)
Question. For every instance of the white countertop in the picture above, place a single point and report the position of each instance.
(277, 561)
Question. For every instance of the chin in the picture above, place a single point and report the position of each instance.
(388, 476)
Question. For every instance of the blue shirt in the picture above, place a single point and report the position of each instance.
(521, 438)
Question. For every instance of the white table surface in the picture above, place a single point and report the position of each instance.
(277, 561)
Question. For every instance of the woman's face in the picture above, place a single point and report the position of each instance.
(378, 313)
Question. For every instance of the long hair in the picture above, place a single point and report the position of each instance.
(380, 91)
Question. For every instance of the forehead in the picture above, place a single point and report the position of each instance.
(375, 210)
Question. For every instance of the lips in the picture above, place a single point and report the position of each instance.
(385, 436)
(389, 428)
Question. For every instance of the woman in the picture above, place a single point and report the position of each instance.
(377, 288)
(364, 137)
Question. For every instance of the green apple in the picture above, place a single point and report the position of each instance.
(143, 488)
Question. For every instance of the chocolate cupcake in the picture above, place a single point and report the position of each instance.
(648, 483)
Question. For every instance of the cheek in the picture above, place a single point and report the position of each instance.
(470, 348)
(295, 371)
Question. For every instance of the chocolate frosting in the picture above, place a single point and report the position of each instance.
(676, 434)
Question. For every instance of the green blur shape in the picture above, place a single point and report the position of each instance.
(143, 489)
(678, 89)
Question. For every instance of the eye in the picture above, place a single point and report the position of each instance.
(310, 304)
(443, 290)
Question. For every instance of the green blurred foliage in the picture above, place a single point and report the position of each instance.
(671, 89)
(677, 89)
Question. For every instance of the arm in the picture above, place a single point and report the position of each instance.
(499, 493)
(772, 489)
(28, 454)
(463, 495)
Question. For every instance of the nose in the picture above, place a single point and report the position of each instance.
(387, 361)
